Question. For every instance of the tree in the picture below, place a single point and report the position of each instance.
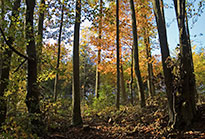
(185, 105)
(32, 97)
(76, 115)
(122, 83)
(40, 33)
(159, 16)
(136, 56)
(131, 78)
(150, 83)
(6, 60)
(118, 55)
(59, 52)
(97, 86)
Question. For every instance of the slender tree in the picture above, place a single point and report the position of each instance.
(185, 105)
(122, 84)
(131, 78)
(136, 56)
(161, 26)
(97, 84)
(76, 115)
(40, 33)
(150, 84)
(59, 52)
(118, 55)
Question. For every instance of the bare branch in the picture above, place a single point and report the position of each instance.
(20, 65)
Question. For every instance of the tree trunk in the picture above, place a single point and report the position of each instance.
(76, 115)
(4, 81)
(40, 34)
(131, 79)
(122, 82)
(185, 105)
(32, 97)
(59, 52)
(97, 84)
(118, 55)
(6, 61)
(136, 56)
(159, 16)
(150, 84)
(191, 56)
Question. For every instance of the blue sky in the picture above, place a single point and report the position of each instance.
(195, 29)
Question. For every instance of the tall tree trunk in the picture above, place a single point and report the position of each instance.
(150, 84)
(131, 79)
(84, 80)
(32, 97)
(185, 105)
(122, 82)
(118, 55)
(76, 115)
(136, 56)
(59, 52)
(97, 84)
(191, 57)
(40, 34)
(161, 26)
(6, 61)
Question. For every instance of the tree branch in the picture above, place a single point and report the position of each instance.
(12, 48)
(20, 65)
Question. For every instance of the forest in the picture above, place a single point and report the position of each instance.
(72, 69)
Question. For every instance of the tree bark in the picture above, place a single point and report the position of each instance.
(76, 115)
(136, 56)
(185, 105)
(59, 52)
(118, 55)
(161, 26)
(97, 84)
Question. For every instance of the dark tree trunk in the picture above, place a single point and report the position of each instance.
(150, 84)
(97, 84)
(76, 115)
(32, 98)
(40, 34)
(6, 61)
(191, 58)
(122, 82)
(136, 56)
(159, 15)
(59, 52)
(131, 79)
(118, 55)
(185, 105)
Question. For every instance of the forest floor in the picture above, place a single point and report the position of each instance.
(129, 122)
